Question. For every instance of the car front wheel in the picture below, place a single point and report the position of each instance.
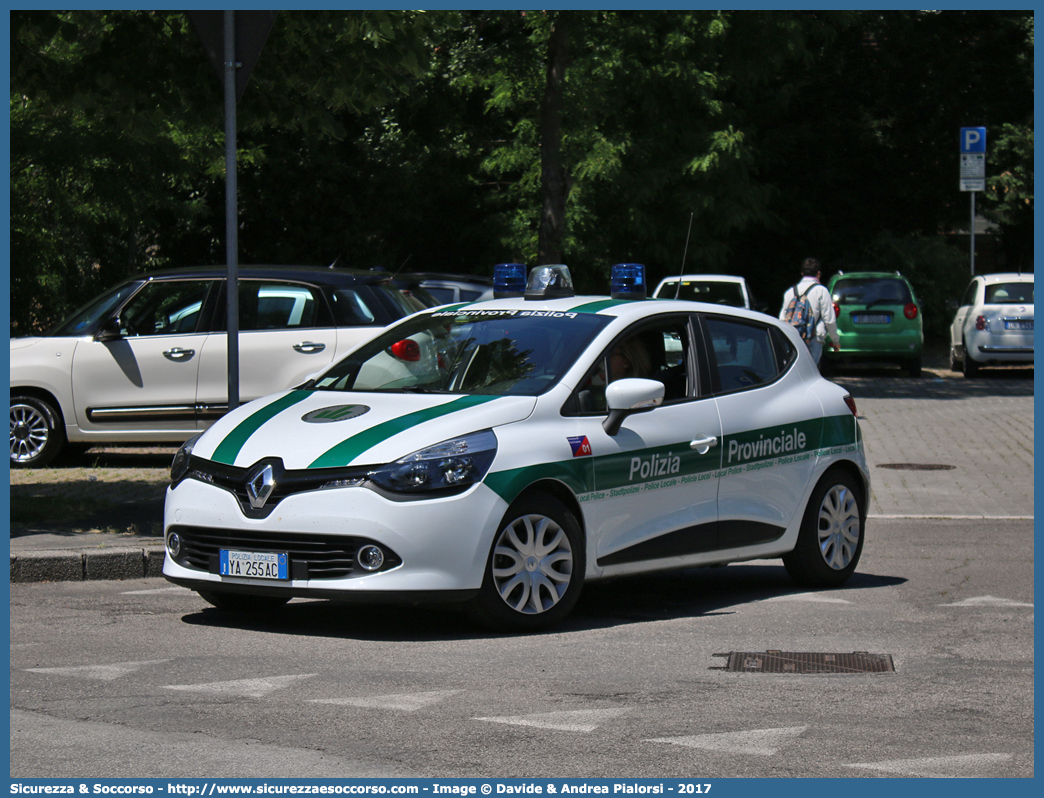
(37, 435)
(831, 536)
(535, 570)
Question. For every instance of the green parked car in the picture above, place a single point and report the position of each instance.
(878, 319)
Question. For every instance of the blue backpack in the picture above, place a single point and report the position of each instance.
(800, 315)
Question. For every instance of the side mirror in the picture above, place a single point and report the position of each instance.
(627, 396)
(109, 331)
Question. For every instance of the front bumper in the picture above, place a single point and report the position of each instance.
(440, 545)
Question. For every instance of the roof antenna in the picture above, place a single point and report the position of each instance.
(677, 288)
(403, 266)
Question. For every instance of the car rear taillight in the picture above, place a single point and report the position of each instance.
(407, 350)
(980, 323)
(837, 310)
(910, 311)
(851, 404)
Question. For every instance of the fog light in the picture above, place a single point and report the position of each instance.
(370, 558)
(174, 544)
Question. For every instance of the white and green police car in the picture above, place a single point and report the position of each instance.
(504, 453)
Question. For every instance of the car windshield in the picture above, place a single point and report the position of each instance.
(713, 291)
(871, 291)
(509, 353)
(86, 320)
(1020, 293)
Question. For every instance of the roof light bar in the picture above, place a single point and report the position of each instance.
(549, 282)
(509, 280)
(627, 281)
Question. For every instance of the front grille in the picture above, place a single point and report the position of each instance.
(288, 482)
(311, 556)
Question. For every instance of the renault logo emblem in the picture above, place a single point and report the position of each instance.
(260, 486)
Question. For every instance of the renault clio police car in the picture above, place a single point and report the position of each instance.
(503, 453)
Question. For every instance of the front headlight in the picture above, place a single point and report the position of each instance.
(456, 463)
(182, 459)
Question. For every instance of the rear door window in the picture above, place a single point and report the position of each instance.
(742, 354)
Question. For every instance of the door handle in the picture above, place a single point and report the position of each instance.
(703, 444)
(309, 347)
(177, 354)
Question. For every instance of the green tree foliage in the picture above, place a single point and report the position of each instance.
(431, 141)
(117, 134)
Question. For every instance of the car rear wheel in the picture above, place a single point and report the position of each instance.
(535, 570)
(969, 366)
(831, 536)
(37, 434)
(242, 602)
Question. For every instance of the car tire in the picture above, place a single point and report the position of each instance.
(535, 569)
(37, 432)
(242, 602)
(831, 537)
(913, 366)
(969, 366)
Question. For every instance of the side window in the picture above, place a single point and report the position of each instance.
(276, 306)
(165, 308)
(658, 351)
(742, 354)
(351, 308)
(969, 295)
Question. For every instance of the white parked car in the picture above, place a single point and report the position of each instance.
(717, 289)
(546, 443)
(147, 361)
(993, 325)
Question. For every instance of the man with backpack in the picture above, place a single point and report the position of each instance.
(808, 307)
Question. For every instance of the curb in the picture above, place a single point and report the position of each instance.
(69, 566)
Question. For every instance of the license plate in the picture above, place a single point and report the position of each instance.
(872, 318)
(254, 564)
(1018, 324)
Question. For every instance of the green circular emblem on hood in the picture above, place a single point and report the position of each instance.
(335, 413)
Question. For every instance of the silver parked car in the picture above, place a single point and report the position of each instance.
(147, 361)
(994, 323)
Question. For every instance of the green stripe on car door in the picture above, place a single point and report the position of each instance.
(229, 448)
(347, 450)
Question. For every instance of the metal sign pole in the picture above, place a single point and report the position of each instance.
(231, 212)
(972, 233)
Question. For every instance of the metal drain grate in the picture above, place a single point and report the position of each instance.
(806, 662)
(917, 466)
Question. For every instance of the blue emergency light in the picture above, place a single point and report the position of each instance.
(509, 280)
(627, 281)
(552, 281)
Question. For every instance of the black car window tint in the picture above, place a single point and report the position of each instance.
(658, 351)
(351, 308)
(969, 295)
(276, 306)
(742, 354)
(169, 307)
(1009, 294)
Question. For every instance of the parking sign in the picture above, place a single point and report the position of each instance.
(973, 139)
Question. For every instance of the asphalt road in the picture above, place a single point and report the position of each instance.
(118, 679)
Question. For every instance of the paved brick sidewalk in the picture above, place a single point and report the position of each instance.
(979, 431)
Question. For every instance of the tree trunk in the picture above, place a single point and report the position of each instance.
(553, 184)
